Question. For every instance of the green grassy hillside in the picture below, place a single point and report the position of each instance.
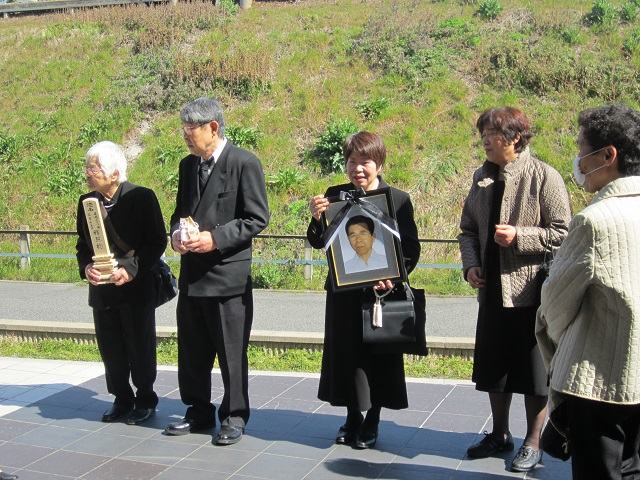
(288, 75)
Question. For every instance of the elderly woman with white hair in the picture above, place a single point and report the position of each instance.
(124, 308)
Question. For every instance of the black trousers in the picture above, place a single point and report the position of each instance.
(210, 327)
(605, 438)
(126, 338)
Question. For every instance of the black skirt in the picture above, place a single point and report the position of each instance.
(507, 358)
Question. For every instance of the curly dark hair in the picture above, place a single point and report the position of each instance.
(616, 125)
(508, 122)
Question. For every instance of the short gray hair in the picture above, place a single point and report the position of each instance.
(203, 110)
(111, 158)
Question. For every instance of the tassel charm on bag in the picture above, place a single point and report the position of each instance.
(376, 317)
(377, 314)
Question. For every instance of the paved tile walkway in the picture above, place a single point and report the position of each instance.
(50, 429)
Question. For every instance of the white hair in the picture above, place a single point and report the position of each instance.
(111, 158)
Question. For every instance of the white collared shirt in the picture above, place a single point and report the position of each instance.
(216, 153)
(374, 262)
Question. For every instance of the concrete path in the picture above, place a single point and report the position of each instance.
(274, 310)
(50, 429)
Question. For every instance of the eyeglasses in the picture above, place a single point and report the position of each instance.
(92, 171)
(489, 133)
(188, 129)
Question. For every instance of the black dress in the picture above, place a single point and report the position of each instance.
(507, 358)
(353, 374)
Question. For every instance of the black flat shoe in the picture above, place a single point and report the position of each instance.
(349, 431)
(347, 435)
(229, 435)
(115, 412)
(139, 415)
(366, 439)
(490, 445)
(187, 425)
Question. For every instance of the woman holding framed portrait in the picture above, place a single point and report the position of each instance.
(353, 374)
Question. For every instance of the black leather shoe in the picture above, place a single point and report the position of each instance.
(115, 412)
(490, 445)
(526, 459)
(349, 431)
(229, 435)
(6, 476)
(347, 434)
(139, 415)
(366, 439)
(187, 425)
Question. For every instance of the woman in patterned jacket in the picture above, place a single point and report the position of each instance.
(517, 209)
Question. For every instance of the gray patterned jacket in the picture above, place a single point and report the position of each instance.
(536, 202)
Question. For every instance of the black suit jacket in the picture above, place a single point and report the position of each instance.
(233, 206)
(137, 219)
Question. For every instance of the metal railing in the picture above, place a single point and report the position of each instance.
(30, 6)
(27, 6)
(308, 262)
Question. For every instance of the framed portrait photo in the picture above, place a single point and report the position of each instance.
(363, 251)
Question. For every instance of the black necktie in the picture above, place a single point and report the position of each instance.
(205, 170)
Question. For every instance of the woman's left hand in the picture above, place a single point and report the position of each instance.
(386, 285)
(120, 277)
(505, 235)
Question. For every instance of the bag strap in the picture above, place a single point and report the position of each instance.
(407, 289)
(549, 248)
(108, 226)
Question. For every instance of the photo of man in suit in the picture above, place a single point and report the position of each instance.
(222, 188)
(360, 231)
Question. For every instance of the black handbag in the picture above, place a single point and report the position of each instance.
(403, 318)
(165, 282)
(555, 440)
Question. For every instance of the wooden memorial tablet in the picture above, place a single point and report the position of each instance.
(103, 260)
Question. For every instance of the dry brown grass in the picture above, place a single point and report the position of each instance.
(240, 71)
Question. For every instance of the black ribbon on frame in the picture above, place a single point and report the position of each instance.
(355, 197)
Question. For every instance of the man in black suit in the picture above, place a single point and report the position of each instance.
(124, 311)
(222, 188)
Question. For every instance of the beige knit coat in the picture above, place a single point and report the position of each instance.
(588, 325)
(536, 202)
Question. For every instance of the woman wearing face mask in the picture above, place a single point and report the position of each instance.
(352, 375)
(588, 324)
(517, 209)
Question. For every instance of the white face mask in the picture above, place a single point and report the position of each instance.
(577, 173)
